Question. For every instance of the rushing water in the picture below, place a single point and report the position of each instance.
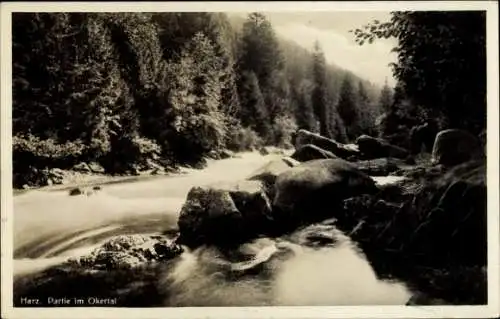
(50, 227)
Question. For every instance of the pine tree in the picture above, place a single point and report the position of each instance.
(346, 108)
(386, 98)
(319, 96)
(365, 110)
(195, 123)
(254, 113)
(261, 54)
(304, 114)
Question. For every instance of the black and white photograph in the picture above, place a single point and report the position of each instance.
(198, 158)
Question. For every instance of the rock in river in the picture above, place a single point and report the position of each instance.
(372, 147)
(315, 189)
(304, 137)
(128, 251)
(224, 214)
(310, 152)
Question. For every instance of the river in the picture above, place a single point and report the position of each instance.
(51, 226)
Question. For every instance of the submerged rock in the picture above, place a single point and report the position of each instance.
(453, 147)
(319, 235)
(129, 251)
(75, 191)
(263, 151)
(84, 191)
(266, 150)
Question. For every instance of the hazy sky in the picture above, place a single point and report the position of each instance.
(331, 29)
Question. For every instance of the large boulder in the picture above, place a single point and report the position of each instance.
(310, 152)
(453, 147)
(314, 190)
(371, 147)
(224, 214)
(304, 137)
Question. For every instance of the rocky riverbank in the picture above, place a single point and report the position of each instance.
(427, 228)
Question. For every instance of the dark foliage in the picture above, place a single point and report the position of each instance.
(441, 67)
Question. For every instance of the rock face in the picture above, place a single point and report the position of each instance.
(224, 214)
(453, 147)
(372, 147)
(310, 152)
(313, 190)
(303, 137)
(129, 251)
(432, 220)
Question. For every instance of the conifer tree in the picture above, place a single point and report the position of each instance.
(319, 96)
(347, 108)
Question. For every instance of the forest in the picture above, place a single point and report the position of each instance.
(132, 91)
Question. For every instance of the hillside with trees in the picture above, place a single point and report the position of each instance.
(127, 92)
